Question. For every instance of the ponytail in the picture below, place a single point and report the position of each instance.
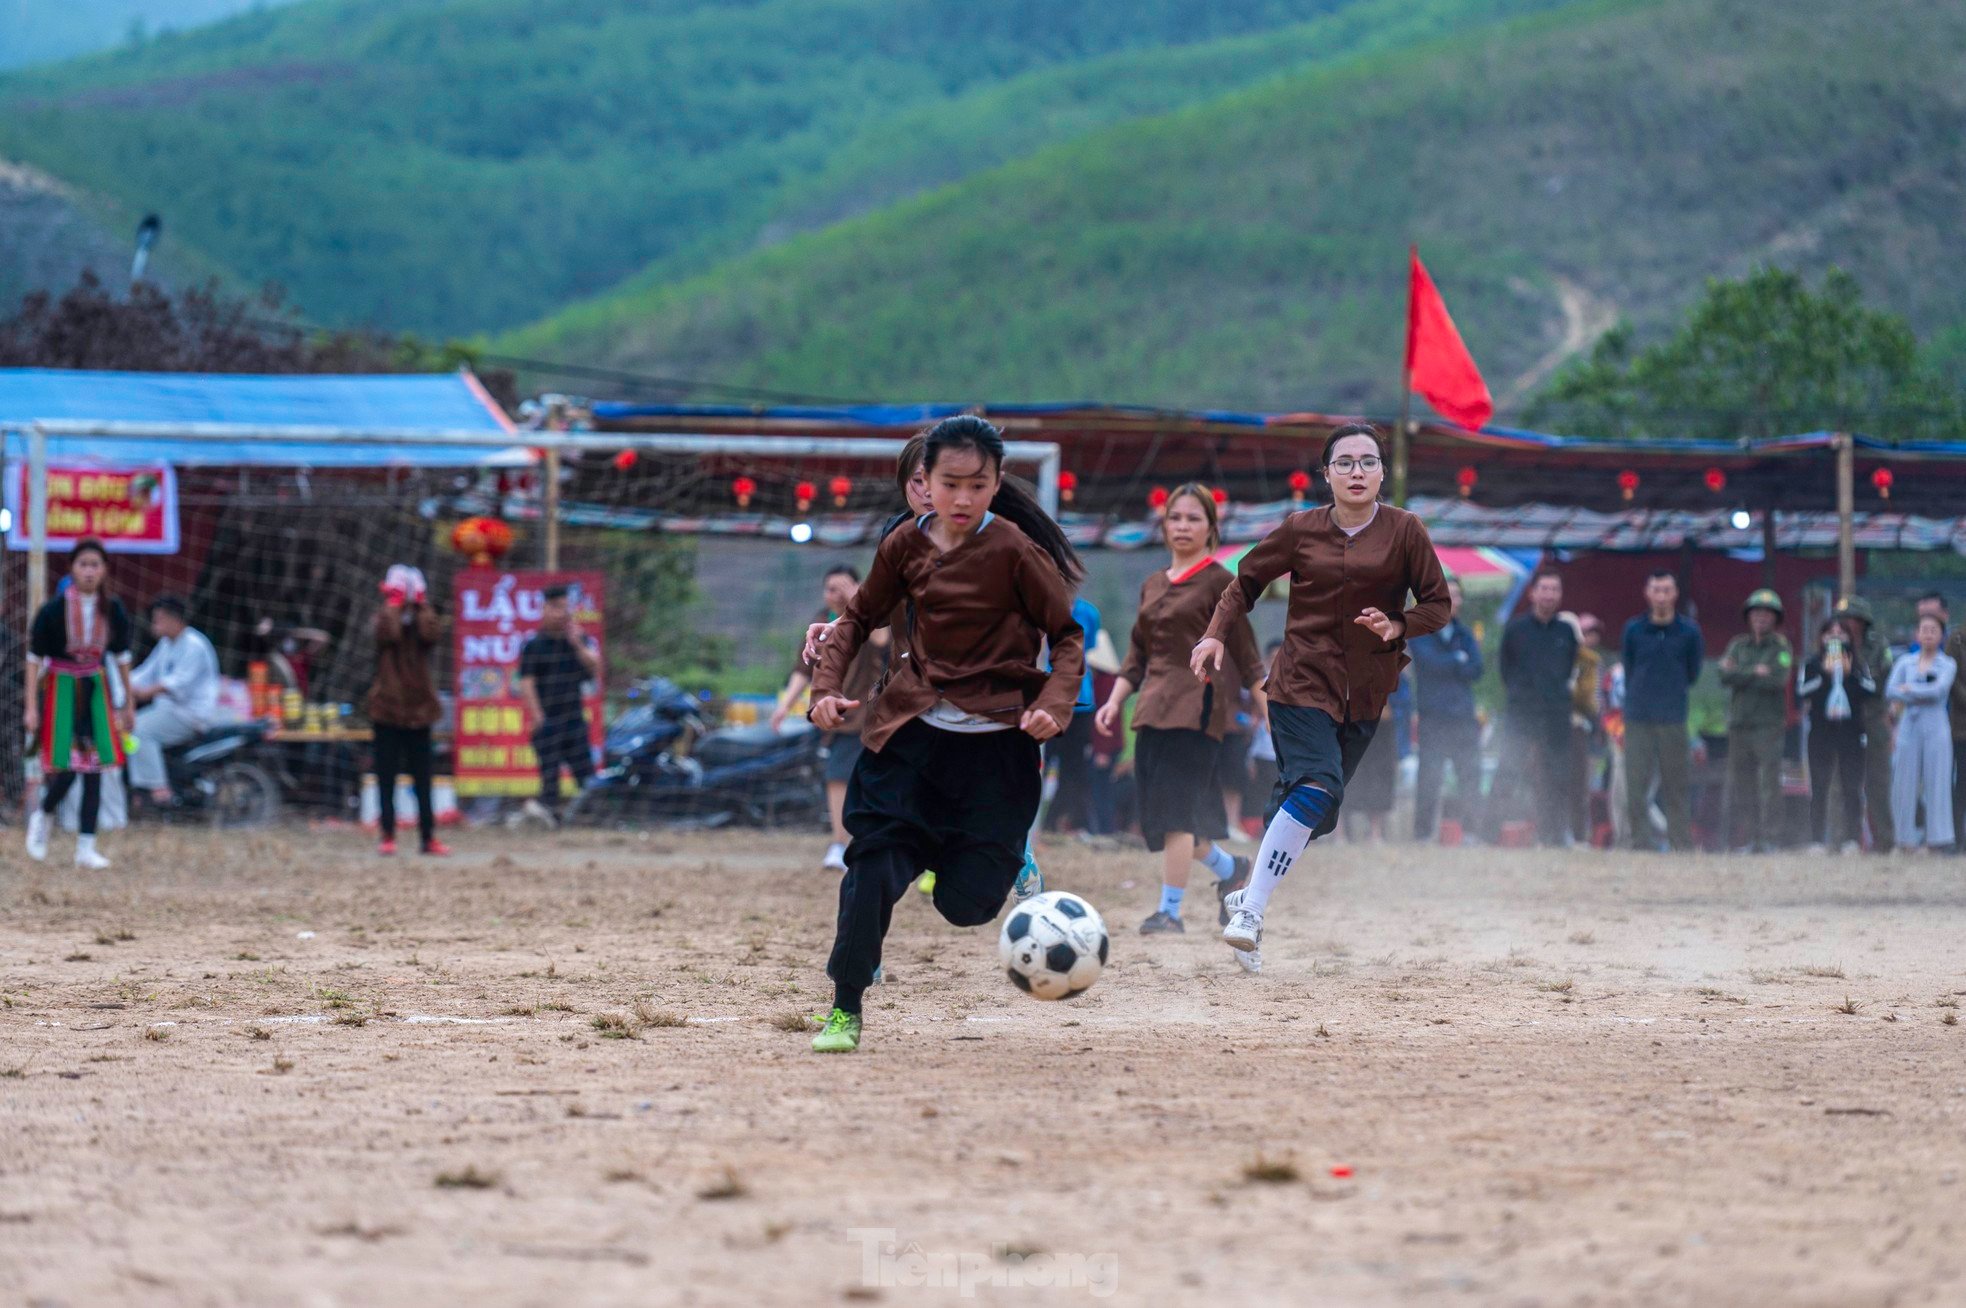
(1014, 501)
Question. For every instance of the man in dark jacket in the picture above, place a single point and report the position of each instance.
(1663, 653)
(1539, 659)
(1446, 666)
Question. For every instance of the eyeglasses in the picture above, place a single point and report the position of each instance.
(1347, 466)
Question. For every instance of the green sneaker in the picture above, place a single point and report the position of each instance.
(841, 1036)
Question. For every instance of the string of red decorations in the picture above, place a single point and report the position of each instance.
(1068, 484)
(1465, 480)
(1627, 483)
(1716, 480)
(1300, 484)
(1882, 478)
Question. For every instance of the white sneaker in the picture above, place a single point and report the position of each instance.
(1851, 847)
(1245, 930)
(86, 857)
(38, 826)
(539, 813)
(1249, 960)
(835, 860)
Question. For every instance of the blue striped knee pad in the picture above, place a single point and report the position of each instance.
(1307, 804)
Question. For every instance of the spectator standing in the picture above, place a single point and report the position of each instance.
(403, 703)
(1663, 652)
(556, 666)
(1539, 659)
(1833, 691)
(863, 678)
(1861, 622)
(1755, 671)
(1921, 766)
(1955, 647)
(1584, 700)
(1446, 666)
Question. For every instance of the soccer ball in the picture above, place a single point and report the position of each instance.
(1053, 945)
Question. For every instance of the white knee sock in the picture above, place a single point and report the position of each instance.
(1283, 843)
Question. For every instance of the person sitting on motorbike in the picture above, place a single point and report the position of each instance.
(176, 691)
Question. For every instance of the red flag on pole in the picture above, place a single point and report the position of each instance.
(1438, 365)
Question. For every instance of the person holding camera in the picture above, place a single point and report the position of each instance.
(1835, 690)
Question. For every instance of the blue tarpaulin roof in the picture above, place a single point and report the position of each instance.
(452, 402)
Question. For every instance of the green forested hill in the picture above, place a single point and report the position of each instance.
(1599, 160)
(460, 165)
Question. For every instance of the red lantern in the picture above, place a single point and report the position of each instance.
(840, 488)
(1220, 496)
(481, 540)
(743, 488)
(624, 460)
(1157, 498)
(1465, 479)
(805, 493)
(1300, 483)
(1882, 479)
(1627, 483)
(1068, 482)
(1716, 480)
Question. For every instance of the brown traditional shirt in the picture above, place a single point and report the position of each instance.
(982, 612)
(1328, 661)
(863, 677)
(1173, 617)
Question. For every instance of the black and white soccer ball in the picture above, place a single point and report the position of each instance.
(1053, 945)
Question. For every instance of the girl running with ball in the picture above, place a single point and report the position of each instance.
(949, 778)
(1181, 718)
(1351, 567)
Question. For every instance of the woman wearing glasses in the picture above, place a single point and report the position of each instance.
(1351, 567)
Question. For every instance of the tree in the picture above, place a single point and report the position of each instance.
(1763, 356)
(202, 329)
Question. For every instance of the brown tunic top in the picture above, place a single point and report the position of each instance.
(404, 693)
(1328, 661)
(981, 613)
(863, 677)
(1173, 617)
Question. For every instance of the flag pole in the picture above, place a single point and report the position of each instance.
(1401, 433)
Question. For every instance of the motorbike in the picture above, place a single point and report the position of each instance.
(661, 762)
(227, 776)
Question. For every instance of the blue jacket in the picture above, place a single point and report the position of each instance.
(1661, 665)
(1446, 666)
(1086, 614)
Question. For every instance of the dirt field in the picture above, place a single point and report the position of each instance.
(279, 1071)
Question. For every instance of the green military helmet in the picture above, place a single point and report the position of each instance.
(1856, 606)
(1763, 599)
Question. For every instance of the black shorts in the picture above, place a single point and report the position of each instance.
(1315, 749)
(959, 802)
(1177, 772)
(842, 750)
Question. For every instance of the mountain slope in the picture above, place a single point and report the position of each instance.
(1250, 251)
(467, 164)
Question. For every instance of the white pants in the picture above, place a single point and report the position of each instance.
(1921, 769)
(160, 725)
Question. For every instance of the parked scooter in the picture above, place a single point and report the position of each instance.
(661, 762)
(228, 777)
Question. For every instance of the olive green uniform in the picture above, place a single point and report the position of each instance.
(1756, 674)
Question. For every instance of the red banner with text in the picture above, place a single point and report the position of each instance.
(131, 510)
(496, 612)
